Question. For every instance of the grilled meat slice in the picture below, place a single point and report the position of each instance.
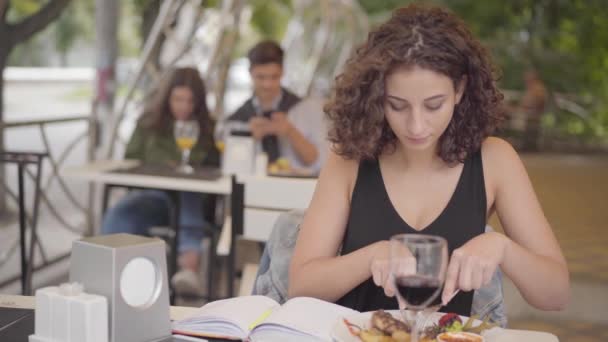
(386, 323)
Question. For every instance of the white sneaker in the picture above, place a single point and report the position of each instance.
(187, 282)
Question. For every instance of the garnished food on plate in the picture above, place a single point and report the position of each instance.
(451, 322)
(459, 337)
(282, 168)
(450, 328)
(280, 165)
(384, 328)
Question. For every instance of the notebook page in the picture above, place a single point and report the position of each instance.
(228, 317)
(305, 315)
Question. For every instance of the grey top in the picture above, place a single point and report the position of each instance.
(308, 117)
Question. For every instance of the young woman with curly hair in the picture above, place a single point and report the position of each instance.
(411, 117)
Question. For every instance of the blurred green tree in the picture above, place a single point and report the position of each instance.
(19, 21)
(269, 17)
(75, 23)
(566, 41)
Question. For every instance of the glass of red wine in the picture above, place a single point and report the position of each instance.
(418, 265)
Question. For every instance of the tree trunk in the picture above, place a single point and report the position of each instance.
(106, 22)
(4, 51)
(149, 15)
(10, 36)
(63, 59)
(3, 58)
(220, 63)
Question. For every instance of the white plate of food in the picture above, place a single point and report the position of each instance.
(387, 326)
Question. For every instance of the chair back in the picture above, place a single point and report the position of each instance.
(263, 199)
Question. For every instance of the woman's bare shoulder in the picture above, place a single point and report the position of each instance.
(340, 162)
(498, 150)
(499, 159)
(339, 169)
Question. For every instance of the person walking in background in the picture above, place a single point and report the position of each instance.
(533, 105)
(526, 115)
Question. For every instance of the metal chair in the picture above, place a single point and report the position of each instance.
(23, 160)
(256, 203)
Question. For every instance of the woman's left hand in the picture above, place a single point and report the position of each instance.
(473, 265)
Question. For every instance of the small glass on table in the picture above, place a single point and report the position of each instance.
(186, 134)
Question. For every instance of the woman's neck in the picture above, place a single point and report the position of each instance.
(416, 160)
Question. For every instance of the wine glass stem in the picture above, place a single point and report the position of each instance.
(185, 156)
(415, 333)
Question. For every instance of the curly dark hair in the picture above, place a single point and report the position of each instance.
(431, 38)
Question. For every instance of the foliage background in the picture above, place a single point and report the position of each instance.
(566, 41)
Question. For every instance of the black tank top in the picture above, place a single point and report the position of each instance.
(373, 218)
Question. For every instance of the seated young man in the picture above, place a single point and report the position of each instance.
(284, 126)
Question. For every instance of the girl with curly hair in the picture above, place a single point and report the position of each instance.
(411, 117)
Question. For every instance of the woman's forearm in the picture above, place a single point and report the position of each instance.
(331, 278)
(542, 281)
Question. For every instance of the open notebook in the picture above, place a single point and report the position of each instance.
(259, 318)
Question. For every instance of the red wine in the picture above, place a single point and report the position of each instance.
(417, 290)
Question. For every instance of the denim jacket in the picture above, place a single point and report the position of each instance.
(273, 272)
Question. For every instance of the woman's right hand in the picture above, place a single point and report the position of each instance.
(382, 270)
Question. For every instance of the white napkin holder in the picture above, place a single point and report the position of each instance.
(68, 314)
(131, 272)
(239, 154)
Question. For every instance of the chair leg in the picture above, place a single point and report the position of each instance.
(175, 210)
(231, 271)
(211, 264)
(22, 228)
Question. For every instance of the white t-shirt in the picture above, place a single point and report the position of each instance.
(308, 117)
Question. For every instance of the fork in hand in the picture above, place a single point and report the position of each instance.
(429, 311)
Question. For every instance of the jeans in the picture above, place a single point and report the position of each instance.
(140, 210)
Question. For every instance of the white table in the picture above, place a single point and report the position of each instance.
(180, 312)
(275, 193)
(104, 172)
(101, 171)
(29, 302)
(264, 199)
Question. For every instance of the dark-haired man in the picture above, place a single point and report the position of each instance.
(298, 136)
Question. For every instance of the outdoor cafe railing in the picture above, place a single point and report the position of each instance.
(56, 161)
